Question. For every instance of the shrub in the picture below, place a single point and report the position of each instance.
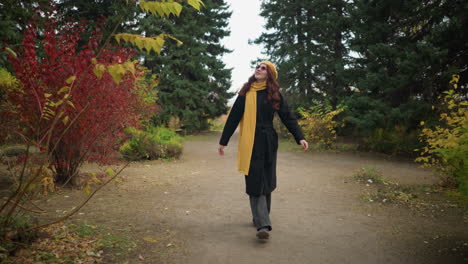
(394, 141)
(280, 128)
(80, 93)
(318, 125)
(447, 143)
(152, 143)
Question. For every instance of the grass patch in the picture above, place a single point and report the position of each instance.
(368, 175)
(119, 243)
(426, 200)
(288, 145)
(83, 230)
(202, 136)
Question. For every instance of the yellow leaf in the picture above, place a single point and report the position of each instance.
(117, 38)
(147, 44)
(65, 120)
(12, 53)
(195, 4)
(87, 189)
(64, 89)
(96, 180)
(116, 71)
(110, 172)
(70, 104)
(156, 44)
(94, 61)
(71, 79)
(149, 239)
(129, 66)
(177, 8)
(47, 95)
(99, 70)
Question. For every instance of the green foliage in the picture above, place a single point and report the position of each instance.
(394, 141)
(194, 79)
(152, 143)
(14, 16)
(307, 40)
(447, 143)
(318, 125)
(384, 61)
(216, 125)
(407, 50)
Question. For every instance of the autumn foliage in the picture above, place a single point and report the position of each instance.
(84, 94)
(319, 125)
(446, 148)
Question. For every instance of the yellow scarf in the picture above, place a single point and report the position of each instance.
(247, 128)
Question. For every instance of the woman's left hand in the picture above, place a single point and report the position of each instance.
(304, 144)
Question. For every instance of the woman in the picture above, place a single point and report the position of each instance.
(254, 109)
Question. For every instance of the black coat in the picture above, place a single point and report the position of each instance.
(262, 172)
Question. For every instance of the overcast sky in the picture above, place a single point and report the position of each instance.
(245, 24)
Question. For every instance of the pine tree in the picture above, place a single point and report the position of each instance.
(193, 80)
(407, 53)
(308, 41)
(14, 16)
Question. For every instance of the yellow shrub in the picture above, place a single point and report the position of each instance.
(318, 125)
(447, 144)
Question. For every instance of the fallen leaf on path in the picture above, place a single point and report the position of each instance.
(150, 239)
(141, 257)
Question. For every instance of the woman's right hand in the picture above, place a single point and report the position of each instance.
(221, 150)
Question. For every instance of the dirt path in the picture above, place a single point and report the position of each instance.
(198, 212)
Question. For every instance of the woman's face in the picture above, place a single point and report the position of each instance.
(261, 73)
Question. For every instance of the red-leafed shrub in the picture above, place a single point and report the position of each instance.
(62, 105)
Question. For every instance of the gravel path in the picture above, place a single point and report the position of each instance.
(198, 212)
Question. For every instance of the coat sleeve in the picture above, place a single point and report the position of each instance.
(233, 120)
(289, 120)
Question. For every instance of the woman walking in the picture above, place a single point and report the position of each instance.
(254, 109)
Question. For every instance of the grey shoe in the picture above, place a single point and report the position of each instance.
(263, 234)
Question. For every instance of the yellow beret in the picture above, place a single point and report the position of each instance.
(272, 68)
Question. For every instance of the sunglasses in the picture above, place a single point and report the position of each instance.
(263, 68)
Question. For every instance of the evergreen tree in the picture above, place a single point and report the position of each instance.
(119, 16)
(14, 17)
(407, 51)
(308, 41)
(193, 79)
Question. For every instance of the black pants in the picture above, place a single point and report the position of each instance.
(260, 206)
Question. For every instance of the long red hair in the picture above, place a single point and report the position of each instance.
(272, 88)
